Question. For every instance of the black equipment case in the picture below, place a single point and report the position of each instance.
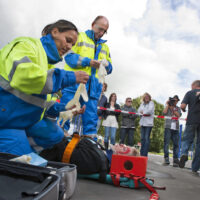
(28, 182)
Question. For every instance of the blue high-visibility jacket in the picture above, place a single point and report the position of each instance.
(85, 49)
(25, 80)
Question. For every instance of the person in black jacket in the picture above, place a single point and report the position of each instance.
(110, 121)
(101, 103)
(128, 123)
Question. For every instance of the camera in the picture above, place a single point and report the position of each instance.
(171, 101)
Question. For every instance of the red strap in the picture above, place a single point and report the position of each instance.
(136, 179)
(147, 185)
(154, 196)
(115, 179)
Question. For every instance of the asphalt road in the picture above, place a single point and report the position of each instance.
(180, 184)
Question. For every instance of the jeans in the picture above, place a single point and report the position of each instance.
(174, 136)
(45, 134)
(98, 124)
(129, 132)
(188, 138)
(108, 131)
(145, 140)
(89, 117)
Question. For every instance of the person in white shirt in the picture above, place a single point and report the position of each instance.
(110, 121)
(146, 122)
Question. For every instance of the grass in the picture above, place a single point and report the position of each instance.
(161, 154)
(170, 155)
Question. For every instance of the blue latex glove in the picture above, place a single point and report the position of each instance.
(124, 182)
(54, 110)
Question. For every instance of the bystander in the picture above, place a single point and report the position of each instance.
(128, 123)
(171, 130)
(146, 109)
(192, 99)
(101, 103)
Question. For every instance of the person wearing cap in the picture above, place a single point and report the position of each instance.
(171, 130)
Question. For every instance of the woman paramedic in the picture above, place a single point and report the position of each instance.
(25, 81)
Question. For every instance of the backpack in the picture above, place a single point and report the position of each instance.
(88, 156)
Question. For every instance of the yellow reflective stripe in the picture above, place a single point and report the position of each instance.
(103, 52)
(79, 63)
(42, 115)
(79, 44)
(80, 59)
(48, 87)
(25, 97)
(15, 64)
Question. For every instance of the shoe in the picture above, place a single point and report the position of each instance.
(175, 162)
(195, 173)
(166, 161)
(183, 160)
(106, 145)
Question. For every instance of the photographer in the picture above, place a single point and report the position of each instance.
(171, 130)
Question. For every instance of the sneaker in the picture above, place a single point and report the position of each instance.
(166, 161)
(175, 162)
(195, 173)
(183, 160)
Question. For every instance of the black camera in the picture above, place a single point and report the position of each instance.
(171, 101)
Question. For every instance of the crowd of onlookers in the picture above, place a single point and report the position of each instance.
(109, 120)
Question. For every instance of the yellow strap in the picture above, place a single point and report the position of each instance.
(70, 148)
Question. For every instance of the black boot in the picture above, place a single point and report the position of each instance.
(106, 145)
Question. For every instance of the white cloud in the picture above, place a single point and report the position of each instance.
(160, 46)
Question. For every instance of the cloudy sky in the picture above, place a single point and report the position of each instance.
(154, 44)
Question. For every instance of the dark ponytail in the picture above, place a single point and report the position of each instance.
(62, 26)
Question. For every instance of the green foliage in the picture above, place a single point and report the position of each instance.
(157, 133)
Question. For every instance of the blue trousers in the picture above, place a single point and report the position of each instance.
(173, 135)
(145, 140)
(129, 133)
(187, 141)
(89, 117)
(98, 124)
(110, 132)
(45, 134)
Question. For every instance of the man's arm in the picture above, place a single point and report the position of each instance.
(183, 107)
(74, 60)
(166, 108)
(109, 67)
(185, 101)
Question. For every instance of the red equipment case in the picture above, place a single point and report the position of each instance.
(136, 165)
